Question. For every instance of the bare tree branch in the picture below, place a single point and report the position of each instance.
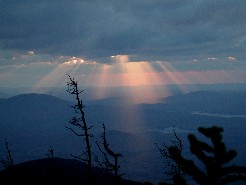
(80, 122)
(107, 164)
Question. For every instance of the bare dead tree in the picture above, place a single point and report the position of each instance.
(174, 165)
(79, 125)
(8, 161)
(107, 164)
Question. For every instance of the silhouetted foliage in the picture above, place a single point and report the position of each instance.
(213, 157)
(50, 153)
(107, 164)
(8, 161)
(174, 165)
(79, 124)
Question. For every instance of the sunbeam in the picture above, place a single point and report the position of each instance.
(174, 77)
(54, 78)
(133, 75)
(138, 82)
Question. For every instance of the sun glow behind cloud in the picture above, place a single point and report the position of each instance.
(122, 71)
(132, 74)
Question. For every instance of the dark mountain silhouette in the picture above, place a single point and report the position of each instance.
(29, 103)
(31, 121)
(57, 171)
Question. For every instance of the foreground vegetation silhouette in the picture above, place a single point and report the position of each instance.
(80, 126)
(8, 161)
(107, 153)
(215, 158)
(82, 130)
(175, 172)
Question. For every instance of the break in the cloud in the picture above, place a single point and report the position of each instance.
(144, 30)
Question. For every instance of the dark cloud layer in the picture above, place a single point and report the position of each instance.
(160, 29)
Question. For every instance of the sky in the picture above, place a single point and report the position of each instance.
(122, 43)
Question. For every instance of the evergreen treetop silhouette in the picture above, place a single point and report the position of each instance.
(8, 162)
(215, 158)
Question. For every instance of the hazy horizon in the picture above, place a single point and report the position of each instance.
(149, 93)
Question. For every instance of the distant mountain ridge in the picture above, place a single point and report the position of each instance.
(36, 107)
(33, 96)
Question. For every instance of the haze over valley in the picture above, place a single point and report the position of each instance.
(34, 122)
